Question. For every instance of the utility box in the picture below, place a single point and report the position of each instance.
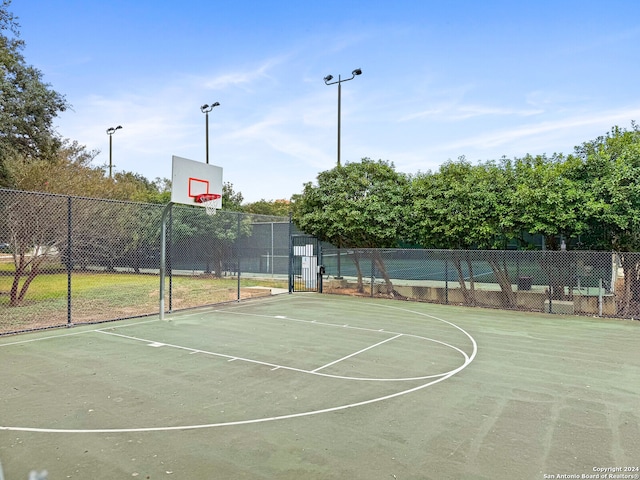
(524, 283)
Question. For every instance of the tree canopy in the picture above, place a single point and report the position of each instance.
(70, 172)
(590, 197)
(360, 204)
(269, 207)
(28, 105)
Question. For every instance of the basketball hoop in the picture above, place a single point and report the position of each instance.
(209, 201)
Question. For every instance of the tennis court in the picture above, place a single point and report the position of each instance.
(311, 386)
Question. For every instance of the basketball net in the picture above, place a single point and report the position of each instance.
(209, 201)
(210, 207)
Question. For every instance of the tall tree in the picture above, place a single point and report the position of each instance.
(611, 166)
(549, 197)
(231, 200)
(464, 206)
(358, 205)
(28, 105)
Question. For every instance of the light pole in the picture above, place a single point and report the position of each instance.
(206, 109)
(110, 132)
(327, 80)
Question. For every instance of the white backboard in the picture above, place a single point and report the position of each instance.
(190, 178)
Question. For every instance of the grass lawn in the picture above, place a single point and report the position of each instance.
(107, 296)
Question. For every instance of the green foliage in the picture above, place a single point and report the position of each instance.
(32, 155)
(231, 200)
(70, 173)
(463, 206)
(549, 199)
(361, 204)
(592, 195)
(28, 105)
(610, 169)
(279, 208)
(215, 235)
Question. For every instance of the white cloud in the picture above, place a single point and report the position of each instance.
(245, 77)
(568, 131)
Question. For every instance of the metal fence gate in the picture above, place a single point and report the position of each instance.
(305, 270)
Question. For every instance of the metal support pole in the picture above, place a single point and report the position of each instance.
(170, 259)
(446, 280)
(206, 108)
(110, 155)
(373, 271)
(163, 258)
(327, 81)
(110, 132)
(600, 298)
(339, 116)
(339, 276)
(69, 259)
(238, 256)
(320, 267)
(207, 134)
(290, 253)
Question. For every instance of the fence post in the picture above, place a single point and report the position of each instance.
(69, 259)
(238, 255)
(320, 266)
(373, 271)
(169, 260)
(290, 254)
(446, 280)
(600, 298)
(272, 250)
(163, 257)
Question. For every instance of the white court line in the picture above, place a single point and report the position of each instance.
(275, 366)
(365, 329)
(62, 335)
(355, 353)
(236, 423)
(230, 358)
(20, 342)
(468, 360)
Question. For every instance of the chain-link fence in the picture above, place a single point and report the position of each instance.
(580, 282)
(69, 260)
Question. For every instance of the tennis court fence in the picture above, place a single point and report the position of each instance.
(580, 282)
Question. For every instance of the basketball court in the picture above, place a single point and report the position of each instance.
(312, 386)
(318, 387)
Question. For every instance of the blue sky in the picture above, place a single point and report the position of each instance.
(441, 79)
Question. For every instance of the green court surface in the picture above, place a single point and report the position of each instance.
(310, 386)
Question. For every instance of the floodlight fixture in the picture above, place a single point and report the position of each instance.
(206, 108)
(110, 132)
